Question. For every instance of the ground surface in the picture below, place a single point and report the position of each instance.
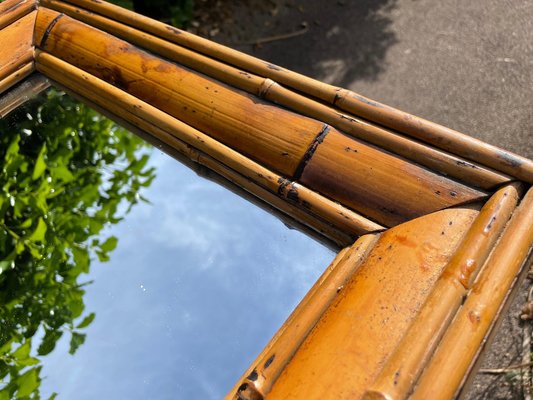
(465, 64)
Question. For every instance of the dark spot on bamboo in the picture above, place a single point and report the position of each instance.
(437, 192)
(173, 30)
(253, 375)
(336, 98)
(464, 164)
(453, 194)
(273, 67)
(450, 223)
(348, 149)
(340, 288)
(292, 194)
(396, 377)
(442, 233)
(49, 29)
(311, 151)
(269, 361)
(390, 247)
(283, 183)
(284, 154)
(491, 222)
(351, 119)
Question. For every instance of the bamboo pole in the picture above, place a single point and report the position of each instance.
(16, 76)
(22, 93)
(461, 343)
(16, 45)
(281, 140)
(148, 118)
(409, 358)
(268, 134)
(426, 131)
(346, 350)
(428, 156)
(268, 366)
(387, 189)
(12, 10)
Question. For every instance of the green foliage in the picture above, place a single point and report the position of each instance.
(176, 12)
(65, 174)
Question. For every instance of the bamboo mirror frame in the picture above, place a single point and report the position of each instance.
(434, 226)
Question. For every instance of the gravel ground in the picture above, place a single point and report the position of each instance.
(465, 64)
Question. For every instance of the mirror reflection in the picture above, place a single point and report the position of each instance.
(123, 274)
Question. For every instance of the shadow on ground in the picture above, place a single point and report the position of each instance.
(350, 49)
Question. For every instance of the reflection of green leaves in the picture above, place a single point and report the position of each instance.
(28, 382)
(76, 341)
(39, 232)
(65, 174)
(40, 165)
(86, 321)
(109, 244)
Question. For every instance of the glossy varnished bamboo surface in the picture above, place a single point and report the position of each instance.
(282, 141)
(435, 159)
(16, 45)
(347, 348)
(12, 10)
(463, 340)
(426, 131)
(405, 364)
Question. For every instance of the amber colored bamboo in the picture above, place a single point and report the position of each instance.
(268, 134)
(16, 76)
(437, 135)
(418, 344)
(460, 345)
(425, 155)
(385, 188)
(275, 137)
(345, 351)
(271, 362)
(120, 102)
(16, 45)
(12, 10)
(22, 93)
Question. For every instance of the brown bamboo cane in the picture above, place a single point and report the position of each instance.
(16, 76)
(22, 93)
(428, 156)
(461, 343)
(270, 363)
(67, 74)
(12, 10)
(346, 350)
(17, 45)
(426, 131)
(270, 135)
(417, 345)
